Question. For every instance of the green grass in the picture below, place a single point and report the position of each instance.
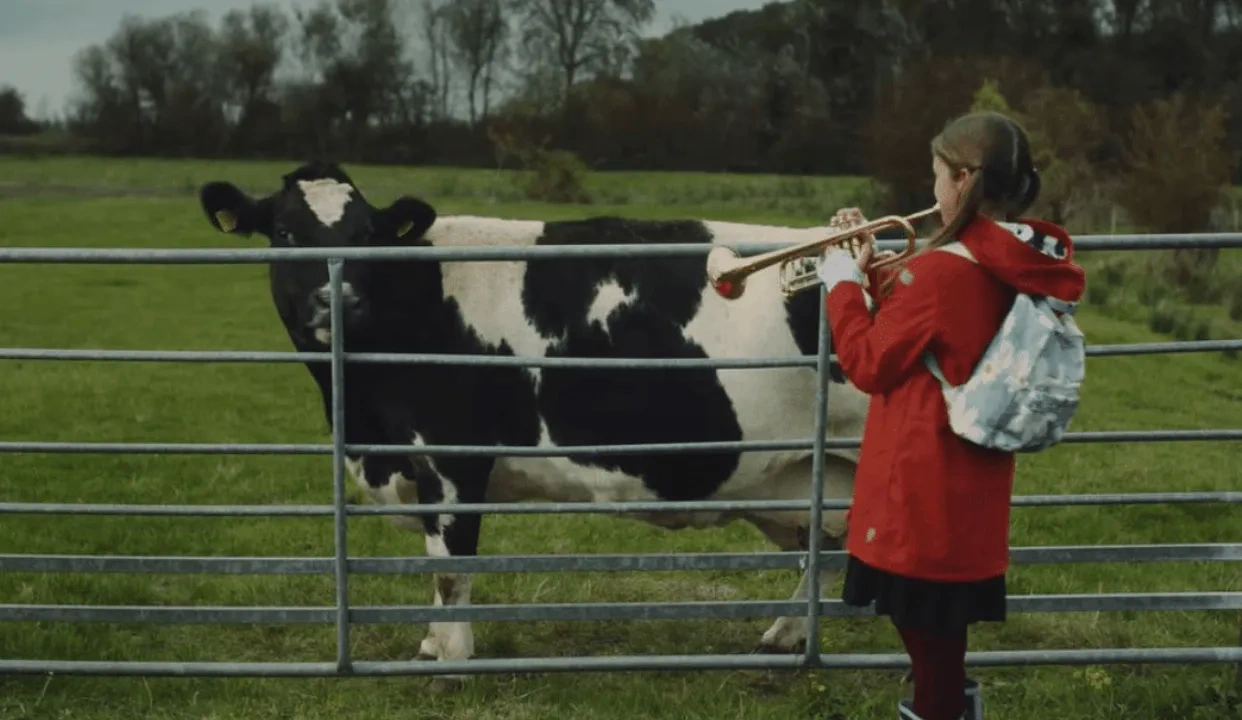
(760, 198)
(228, 307)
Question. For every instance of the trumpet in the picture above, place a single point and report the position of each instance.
(727, 270)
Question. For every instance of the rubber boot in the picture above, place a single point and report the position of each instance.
(974, 701)
(905, 711)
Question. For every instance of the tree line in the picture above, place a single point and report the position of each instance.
(1112, 88)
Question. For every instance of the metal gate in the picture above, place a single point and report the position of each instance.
(341, 566)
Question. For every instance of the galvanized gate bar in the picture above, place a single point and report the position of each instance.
(336, 271)
(632, 663)
(584, 612)
(816, 501)
(268, 356)
(119, 448)
(255, 356)
(829, 560)
(607, 508)
(492, 253)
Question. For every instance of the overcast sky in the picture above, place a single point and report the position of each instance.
(38, 38)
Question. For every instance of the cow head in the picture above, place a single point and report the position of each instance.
(317, 206)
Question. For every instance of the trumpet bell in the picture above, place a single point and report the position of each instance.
(721, 261)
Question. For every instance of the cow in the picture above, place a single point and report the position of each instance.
(628, 307)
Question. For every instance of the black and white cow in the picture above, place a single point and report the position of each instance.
(595, 308)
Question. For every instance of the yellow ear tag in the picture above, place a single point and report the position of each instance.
(227, 220)
(401, 231)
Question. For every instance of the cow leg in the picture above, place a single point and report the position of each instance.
(790, 532)
(449, 481)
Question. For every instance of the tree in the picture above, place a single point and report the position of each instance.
(478, 30)
(1176, 170)
(433, 18)
(356, 58)
(1067, 135)
(13, 118)
(577, 36)
(252, 46)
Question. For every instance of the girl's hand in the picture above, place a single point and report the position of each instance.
(862, 246)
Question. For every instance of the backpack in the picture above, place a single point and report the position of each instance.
(1024, 391)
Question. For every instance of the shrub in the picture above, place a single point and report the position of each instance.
(1178, 168)
(1177, 171)
(1099, 293)
(556, 176)
(1066, 132)
(1235, 301)
(1163, 319)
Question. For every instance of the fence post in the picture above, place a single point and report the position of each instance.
(814, 532)
(336, 271)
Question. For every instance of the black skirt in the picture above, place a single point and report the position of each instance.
(911, 602)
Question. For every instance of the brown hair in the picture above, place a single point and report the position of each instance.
(1003, 182)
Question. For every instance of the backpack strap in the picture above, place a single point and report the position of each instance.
(1061, 307)
(934, 367)
(956, 248)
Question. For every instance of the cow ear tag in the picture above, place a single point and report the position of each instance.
(227, 220)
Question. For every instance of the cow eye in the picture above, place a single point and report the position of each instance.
(283, 236)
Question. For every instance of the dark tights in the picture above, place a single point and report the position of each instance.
(939, 664)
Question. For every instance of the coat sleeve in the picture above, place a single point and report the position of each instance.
(877, 352)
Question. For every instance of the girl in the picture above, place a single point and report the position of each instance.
(929, 525)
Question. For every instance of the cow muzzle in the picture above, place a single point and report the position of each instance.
(353, 307)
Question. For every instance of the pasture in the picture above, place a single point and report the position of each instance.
(102, 203)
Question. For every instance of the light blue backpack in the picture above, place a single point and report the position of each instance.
(1024, 391)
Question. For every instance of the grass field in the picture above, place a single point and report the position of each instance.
(151, 204)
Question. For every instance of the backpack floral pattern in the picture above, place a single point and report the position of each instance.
(1024, 392)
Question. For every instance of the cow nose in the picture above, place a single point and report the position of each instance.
(321, 299)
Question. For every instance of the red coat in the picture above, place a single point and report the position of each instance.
(928, 504)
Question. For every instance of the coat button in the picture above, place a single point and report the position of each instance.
(870, 534)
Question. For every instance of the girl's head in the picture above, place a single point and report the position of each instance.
(982, 162)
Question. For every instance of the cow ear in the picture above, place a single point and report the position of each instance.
(406, 220)
(230, 210)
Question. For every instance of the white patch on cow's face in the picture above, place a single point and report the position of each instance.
(609, 297)
(326, 198)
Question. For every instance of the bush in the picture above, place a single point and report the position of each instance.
(1099, 293)
(1177, 175)
(1177, 170)
(556, 176)
(1235, 302)
(1164, 317)
(1066, 132)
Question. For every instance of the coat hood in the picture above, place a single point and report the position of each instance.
(1034, 257)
